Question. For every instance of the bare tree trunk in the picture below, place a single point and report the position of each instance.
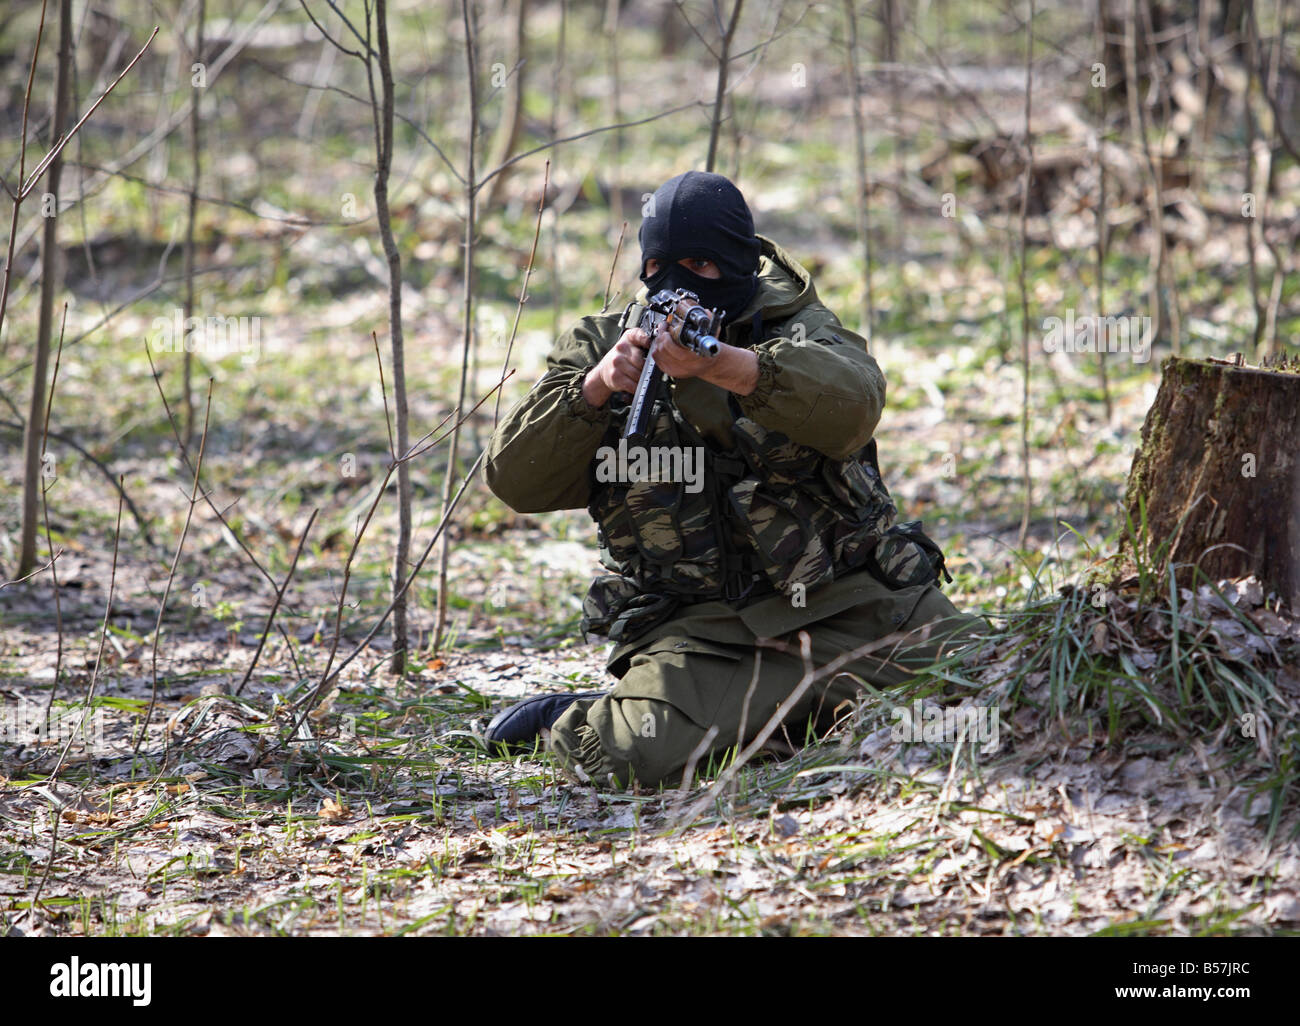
(49, 283)
(1024, 290)
(1165, 276)
(401, 557)
(1102, 228)
(512, 115)
(616, 116)
(1160, 273)
(890, 15)
(1267, 342)
(1204, 79)
(867, 313)
(724, 64)
(195, 148)
(557, 78)
(471, 173)
(1248, 222)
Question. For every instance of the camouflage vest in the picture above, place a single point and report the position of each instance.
(771, 516)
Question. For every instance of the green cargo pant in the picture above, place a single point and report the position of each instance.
(696, 675)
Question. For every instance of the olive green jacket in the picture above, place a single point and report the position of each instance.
(817, 384)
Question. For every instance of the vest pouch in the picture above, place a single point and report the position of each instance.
(856, 486)
(617, 609)
(773, 455)
(654, 498)
(653, 509)
(855, 483)
(614, 532)
(779, 525)
(907, 556)
(663, 534)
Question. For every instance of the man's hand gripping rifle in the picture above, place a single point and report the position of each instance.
(691, 327)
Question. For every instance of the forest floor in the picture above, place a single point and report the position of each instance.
(387, 816)
(396, 821)
(1145, 779)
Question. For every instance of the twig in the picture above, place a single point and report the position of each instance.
(863, 206)
(63, 140)
(327, 676)
(582, 135)
(697, 753)
(45, 515)
(724, 66)
(192, 213)
(177, 118)
(99, 655)
(297, 668)
(207, 496)
(334, 42)
(38, 570)
(17, 427)
(383, 391)
(467, 314)
(356, 543)
(609, 282)
(279, 595)
(523, 291)
(1102, 232)
(17, 192)
(783, 710)
(1270, 95)
(1270, 342)
(681, 9)
(171, 576)
(310, 700)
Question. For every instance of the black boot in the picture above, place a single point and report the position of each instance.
(518, 725)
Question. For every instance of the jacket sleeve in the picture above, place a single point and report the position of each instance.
(817, 384)
(539, 455)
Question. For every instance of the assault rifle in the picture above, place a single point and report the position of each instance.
(692, 329)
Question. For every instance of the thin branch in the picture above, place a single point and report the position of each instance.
(328, 38)
(103, 634)
(57, 148)
(72, 443)
(383, 391)
(178, 117)
(45, 516)
(20, 195)
(523, 291)
(279, 596)
(681, 8)
(613, 264)
(185, 457)
(38, 570)
(582, 135)
(171, 575)
(310, 700)
(787, 706)
(363, 40)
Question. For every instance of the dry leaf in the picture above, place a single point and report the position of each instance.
(331, 811)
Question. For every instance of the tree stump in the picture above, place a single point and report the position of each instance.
(1219, 474)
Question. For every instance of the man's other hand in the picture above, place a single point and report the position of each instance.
(734, 369)
(620, 368)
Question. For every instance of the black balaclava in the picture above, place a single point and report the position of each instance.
(699, 214)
